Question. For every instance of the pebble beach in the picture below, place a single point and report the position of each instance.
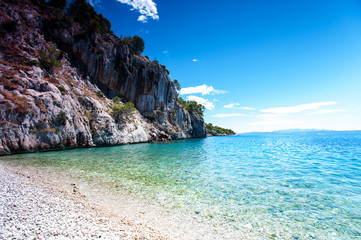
(29, 209)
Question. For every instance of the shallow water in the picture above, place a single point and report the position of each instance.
(285, 186)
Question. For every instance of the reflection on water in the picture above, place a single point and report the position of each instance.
(287, 186)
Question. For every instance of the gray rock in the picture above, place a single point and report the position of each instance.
(60, 108)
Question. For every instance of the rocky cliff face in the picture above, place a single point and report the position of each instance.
(68, 103)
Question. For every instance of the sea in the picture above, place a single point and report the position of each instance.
(250, 186)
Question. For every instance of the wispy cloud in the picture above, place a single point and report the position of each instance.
(166, 52)
(229, 115)
(247, 108)
(298, 108)
(195, 60)
(207, 104)
(146, 8)
(202, 89)
(328, 111)
(231, 105)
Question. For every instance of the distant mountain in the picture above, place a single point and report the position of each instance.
(301, 131)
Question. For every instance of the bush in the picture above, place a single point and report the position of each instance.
(100, 94)
(33, 63)
(172, 113)
(61, 89)
(135, 44)
(121, 111)
(60, 4)
(177, 85)
(49, 59)
(84, 13)
(116, 99)
(61, 118)
(191, 106)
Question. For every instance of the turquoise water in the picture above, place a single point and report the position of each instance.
(276, 186)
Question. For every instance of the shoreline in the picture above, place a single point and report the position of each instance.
(32, 207)
(123, 215)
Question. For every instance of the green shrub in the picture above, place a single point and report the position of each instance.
(84, 13)
(167, 71)
(116, 99)
(60, 4)
(61, 118)
(191, 106)
(135, 44)
(61, 89)
(219, 130)
(121, 111)
(172, 113)
(49, 59)
(177, 85)
(100, 94)
(33, 63)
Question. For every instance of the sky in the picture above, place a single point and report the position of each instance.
(255, 65)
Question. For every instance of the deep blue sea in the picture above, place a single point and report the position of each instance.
(300, 186)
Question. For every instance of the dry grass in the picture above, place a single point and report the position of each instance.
(46, 130)
(21, 103)
(40, 105)
(8, 85)
(15, 65)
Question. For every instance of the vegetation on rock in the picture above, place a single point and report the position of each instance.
(49, 58)
(84, 13)
(218, 130)
(191, 106)
(120, 110)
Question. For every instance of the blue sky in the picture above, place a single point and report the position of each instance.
(255, 65)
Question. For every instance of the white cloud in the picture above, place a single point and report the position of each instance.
(228, 115)
(146, 8)
(195, 60)
(142, 19)
(216, 91)
(247, 108)
(231, 105)
(328, 111)
(165, 52)
(298, 108)
(207, 104)
(203, 89)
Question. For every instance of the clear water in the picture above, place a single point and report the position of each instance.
(275, 187)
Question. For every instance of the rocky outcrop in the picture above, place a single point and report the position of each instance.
(69, 104)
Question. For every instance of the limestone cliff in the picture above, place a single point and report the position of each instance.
(67, 103)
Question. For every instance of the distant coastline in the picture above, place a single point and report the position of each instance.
(302, 131)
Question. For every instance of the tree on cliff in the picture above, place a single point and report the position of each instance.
(177, 85)
(60, 4)
(137, 44)
(84, 13)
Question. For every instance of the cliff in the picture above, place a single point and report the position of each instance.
(57, 82)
